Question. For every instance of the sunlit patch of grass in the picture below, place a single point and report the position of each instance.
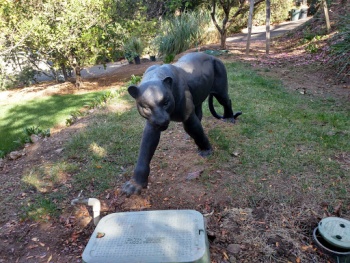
(106, 149)
(40, 209)
(44, 178)
(45, 113)
(97, 150)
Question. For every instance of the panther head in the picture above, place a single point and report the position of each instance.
(155, 101)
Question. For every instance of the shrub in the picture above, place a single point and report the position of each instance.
(133, 47)
(24, 78)
(182, 32)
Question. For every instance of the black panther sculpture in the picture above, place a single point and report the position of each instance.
(176, 93)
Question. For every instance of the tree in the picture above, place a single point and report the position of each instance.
(326, 15)
(250, 22)
(268, 11)
(71, 33)
(228, 19)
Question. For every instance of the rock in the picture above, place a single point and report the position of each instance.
(34, 138)
(235, 154)
(60, 78)
(59, 150)
(194, 175)
(15, 155)
(234, 248)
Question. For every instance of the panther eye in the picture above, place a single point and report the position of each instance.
(165, 103)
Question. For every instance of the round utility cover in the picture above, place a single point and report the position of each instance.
(335, 231)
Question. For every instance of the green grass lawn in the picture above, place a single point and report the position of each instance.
(44, 113)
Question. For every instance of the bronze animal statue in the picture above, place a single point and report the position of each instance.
(176, 93)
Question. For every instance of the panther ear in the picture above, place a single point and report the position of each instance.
(133, 91)
(168, 82)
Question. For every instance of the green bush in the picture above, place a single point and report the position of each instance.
(279, 12)
(24, 78)
(182, 32)
(135, 45)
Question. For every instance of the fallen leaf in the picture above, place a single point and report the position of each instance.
(42, 256)
(100, 235)
(32, 246)
(337, 209)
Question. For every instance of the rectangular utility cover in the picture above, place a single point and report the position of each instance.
(149, 236)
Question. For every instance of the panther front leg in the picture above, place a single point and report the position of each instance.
(149, 143)
(194, 128)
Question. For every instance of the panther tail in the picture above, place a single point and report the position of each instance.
(211, 107)
(213, 111)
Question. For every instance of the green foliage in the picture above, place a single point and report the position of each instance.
(311, 39)
(279, 12)
(99, 101)
(29, 131)
(340, 48)
(169, 58)
(134, 80)
(133, 47)
(41, 209)
(26, 77)
(71, 33)
(182, 32)
(152, 48)
(312, 47)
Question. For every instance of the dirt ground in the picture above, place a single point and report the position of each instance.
(174, 187)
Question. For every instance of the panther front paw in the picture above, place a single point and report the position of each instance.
(131, 187)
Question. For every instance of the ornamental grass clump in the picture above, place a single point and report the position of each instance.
(182, 32)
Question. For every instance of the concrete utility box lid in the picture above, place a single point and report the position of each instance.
(149, 236)
(335, 231)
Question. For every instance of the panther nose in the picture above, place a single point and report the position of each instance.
(162, 126)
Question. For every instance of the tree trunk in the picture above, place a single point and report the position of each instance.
(64, 71)
(223, 35)
(268, 11)
(250, 22)
(78, 78)
(325, 9)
